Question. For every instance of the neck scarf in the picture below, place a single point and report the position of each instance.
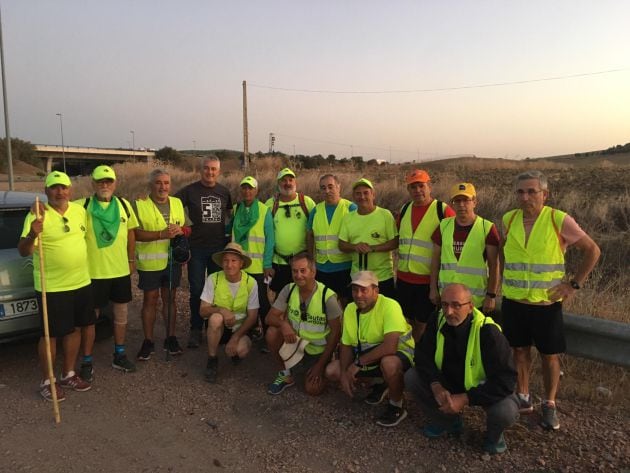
(244, 219)
(105, 221)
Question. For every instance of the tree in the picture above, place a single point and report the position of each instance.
(357, 161)
(169, 155)
(331, 159)
(20, 151)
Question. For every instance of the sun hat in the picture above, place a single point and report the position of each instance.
(284, 172)
(292, 353)
(363, 182)
(57, 177)
(364, 279)
(463, 188)
(232, 249)
(417, 175)
(103, 172)
(250, 181)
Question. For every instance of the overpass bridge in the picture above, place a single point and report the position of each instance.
(81, 160)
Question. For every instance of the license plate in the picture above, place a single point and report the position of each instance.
(17, 308)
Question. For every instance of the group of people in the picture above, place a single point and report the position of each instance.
(343, 308)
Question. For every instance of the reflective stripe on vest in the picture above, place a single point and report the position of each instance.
(256, 240)
(415, 248)
(315, 328)
(326, 235)
(471, 269)
(474, 373)
(534, 266)
(223, 295)
(153, 255)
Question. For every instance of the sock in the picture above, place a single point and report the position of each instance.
(285, 372)
(87, 359)
(524, 397)
(119, 349)
(396, 403)
(69, 374)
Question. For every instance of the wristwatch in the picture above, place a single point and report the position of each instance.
(491, 295)
(574, 284)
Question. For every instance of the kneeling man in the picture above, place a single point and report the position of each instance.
(464, 359)
(230, 301)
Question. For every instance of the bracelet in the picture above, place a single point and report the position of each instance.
(30, 237)
(132, 260)
(491, 295)
(160, 235)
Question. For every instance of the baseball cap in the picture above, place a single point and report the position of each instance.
(103, 172)
(463, 188)
(57, 177)
(364, 279)
(417, 175)
(250, 181)
(284, 172)
(362, 182)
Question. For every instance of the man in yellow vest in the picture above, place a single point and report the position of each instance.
(289, 210)
(304, 311)
(62, 227)
(376, 345)
(111, 245)
(230, 303)
(370, 235)
(464, 360)
(161, 218)
(252, 229)
(417, 221)
(466, 250)
(534, 285)
(324, 223)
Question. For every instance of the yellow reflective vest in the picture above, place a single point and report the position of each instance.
(223, 296)
(415, 248)
(471, 269)
(315, 328)
(474, 373)
(256, 240)
(153, 255)
(534, 266)
(326, 234)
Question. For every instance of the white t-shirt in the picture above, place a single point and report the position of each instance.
(207, 294)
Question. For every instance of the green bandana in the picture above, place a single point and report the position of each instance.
(244, 219)
(105, 221)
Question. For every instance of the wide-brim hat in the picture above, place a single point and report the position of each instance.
(292, 353)
(232, 249)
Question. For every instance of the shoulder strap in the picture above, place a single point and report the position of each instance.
(403, 211)
(303, 204)
(124, 204)
(289, 294)
(86, 203)
(440, 209)
(324, 302)
(507, 228)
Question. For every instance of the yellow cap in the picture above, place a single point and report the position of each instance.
(463, 188)
(58, 177)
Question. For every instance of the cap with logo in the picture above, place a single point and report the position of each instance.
(57, 177)
(250, 181)
(362, 182)
(417, 175)
(103, 172)
(284, 172)
(463, 188)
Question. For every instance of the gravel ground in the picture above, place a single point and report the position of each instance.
(165, 418)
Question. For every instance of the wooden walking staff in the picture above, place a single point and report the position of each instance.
(51, 375)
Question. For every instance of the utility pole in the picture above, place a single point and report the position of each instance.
(272, 142)
(63, 147)
(6, 112)
(245, 131)
(133, 145)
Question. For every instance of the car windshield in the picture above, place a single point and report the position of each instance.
(11, 222)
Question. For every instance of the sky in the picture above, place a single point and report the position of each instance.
(172, 72)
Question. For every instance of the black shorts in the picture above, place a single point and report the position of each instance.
(540, 325)
(152, 280)
(281, 277)
(387, 288)
(377, 373)
(115, 289)
(67, 310)
(414, 300)
(338, 281)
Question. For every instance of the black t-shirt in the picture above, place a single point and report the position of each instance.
(208, 209)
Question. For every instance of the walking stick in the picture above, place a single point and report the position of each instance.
(51, 375)
(169, 311)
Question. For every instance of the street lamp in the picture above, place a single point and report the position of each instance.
(133, 144)
(63, 148)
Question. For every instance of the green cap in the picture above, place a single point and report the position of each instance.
(285, 172)
(250, 181)
(58, 177)
(103, 172)
(362, 182)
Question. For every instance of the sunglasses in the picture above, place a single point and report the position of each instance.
(303, 314)
(66, 228)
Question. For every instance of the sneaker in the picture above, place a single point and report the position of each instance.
(525, 406)
(434, 431)
(122, 363)
(377, 394)
(392, 416)
(86, 372)
(211, 369)
(281, 383)
(264, 350)
(195, 338)
(494, 447)
(172, 345)
(75, 382)
(549, 416)
(147, 349)
(46, 393)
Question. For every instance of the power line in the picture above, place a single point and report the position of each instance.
(440, 89)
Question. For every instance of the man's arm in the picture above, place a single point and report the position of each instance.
(390, 245)
(492, 255)
(591, 254)
(436, 260)
(331, 343)
(388, 346)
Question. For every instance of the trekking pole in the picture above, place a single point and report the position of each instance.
(169, 311)
(51, 375)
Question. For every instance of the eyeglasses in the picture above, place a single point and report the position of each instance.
(455, 305)
(461, 200)
(303, 314)
(529, 192)
(66, 228)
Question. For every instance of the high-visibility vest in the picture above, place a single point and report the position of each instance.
(416, 248)
(153, 255)
(533, 267)
(326, 234)
(315, 328)
(223, 296)
(256, 240)
(471, 269)
(474, 373)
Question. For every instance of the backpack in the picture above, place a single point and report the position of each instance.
(120, 199)
(439, 209)
(276, 205)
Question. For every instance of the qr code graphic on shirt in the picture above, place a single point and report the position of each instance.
(210, 209)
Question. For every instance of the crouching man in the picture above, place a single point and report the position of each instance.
(464, 359)
(230, 301)
(376, 345)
